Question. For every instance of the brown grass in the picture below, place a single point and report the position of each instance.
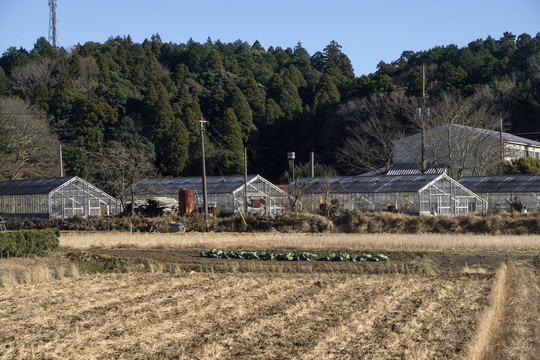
(520, 335)
(244, 316)
(491, 321)
(300, 241)
(27, 271)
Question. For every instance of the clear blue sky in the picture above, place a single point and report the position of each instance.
(368, 31)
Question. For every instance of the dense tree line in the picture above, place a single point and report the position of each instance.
(148, 98)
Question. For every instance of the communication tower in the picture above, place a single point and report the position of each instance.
(53, 32)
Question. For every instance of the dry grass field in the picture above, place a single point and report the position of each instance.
(439, 297)
(248, 316)
(299, 241)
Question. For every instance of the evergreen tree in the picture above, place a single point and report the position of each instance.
(237, 102)
(255, 99)
(327, 95)
(230, 134)
(170, 136)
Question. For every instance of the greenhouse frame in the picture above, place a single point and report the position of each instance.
(62, 197)
(499, 189)
(415, 194)
(225, 193)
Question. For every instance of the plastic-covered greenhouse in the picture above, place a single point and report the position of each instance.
(61, 197)
(416, 194)
(226, 193)
(497, 189)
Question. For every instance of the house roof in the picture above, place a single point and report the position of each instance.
(366, 184)
(496, 134)
(32, 186)
(214, 184)
(518, 183)
(506, 136)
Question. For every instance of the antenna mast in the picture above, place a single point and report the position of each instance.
(53, 31)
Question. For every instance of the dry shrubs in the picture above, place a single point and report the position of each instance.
(350, 221)
(503, 223)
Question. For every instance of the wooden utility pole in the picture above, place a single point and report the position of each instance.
(501, 140)
(205, 199)
(423, 120)
(245, 183)
(61, 165)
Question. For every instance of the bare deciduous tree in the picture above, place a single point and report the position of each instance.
(375, 123)
(44, 71)
(27, 147)
(89, 72)
(121, 167)
(460, 134)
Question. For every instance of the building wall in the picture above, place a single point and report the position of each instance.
(515, 151)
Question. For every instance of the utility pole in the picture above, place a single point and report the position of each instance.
(53, 31)
(501, 140)
(205, 199)
(312, 164)
(245, 183)
(423, 121)
(61, 166)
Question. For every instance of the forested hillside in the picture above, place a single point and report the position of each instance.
(122, 109)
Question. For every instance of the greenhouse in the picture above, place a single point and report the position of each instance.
(415, 194)
(499, 190)
(224, 193)
(61, 197)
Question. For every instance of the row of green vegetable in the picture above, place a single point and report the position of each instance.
(290, 256)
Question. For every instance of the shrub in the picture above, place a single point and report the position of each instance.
(24, 242)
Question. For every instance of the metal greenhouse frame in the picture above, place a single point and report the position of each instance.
(62, 197)
(226, 193)
(417, 194)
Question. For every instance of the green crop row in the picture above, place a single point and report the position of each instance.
(24, 242)
(289, 256)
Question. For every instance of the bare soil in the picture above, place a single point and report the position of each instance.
(430, 261)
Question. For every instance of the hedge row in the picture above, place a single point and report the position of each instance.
(24, 242)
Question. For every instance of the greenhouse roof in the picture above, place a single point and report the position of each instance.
(367, 184)
(214, 184)
(32, 186)
(518, 183)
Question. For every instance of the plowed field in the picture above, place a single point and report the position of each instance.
(243, 315)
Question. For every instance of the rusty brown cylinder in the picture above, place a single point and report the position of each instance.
(186, 201)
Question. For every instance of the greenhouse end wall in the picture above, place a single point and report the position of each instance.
(78, 198)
